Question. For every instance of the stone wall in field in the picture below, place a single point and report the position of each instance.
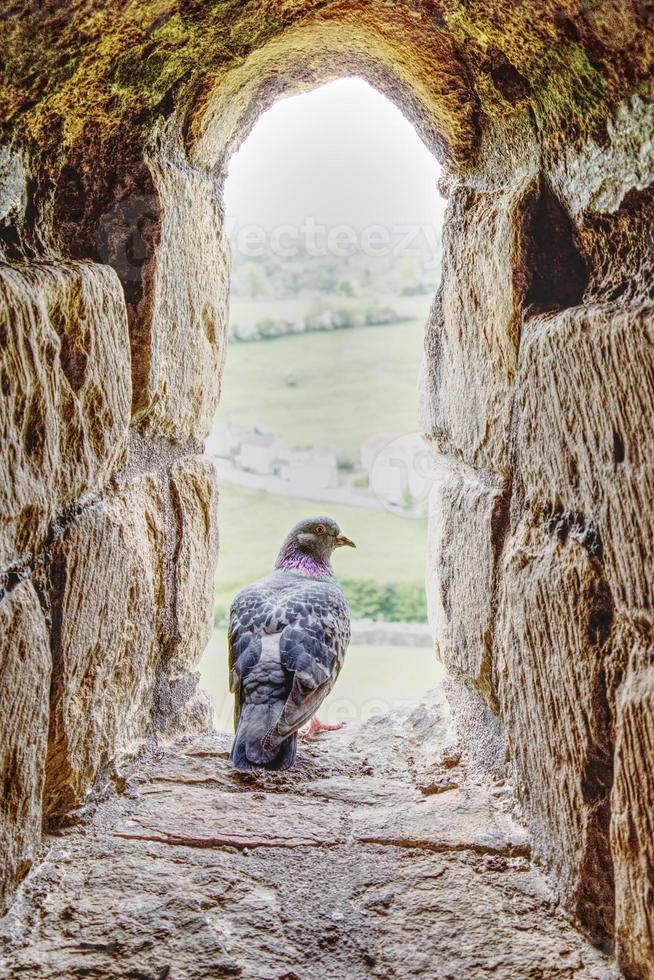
(118, 124)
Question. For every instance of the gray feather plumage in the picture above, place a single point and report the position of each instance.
(288, 635)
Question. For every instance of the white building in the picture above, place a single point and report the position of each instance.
(259, 452)
(262, 453)
(223, 440)
(312, 469)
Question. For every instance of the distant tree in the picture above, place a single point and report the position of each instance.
(343, 319)
(389, 602)
(376, 316)
(269, 327)
(253, 282)
(408, 502)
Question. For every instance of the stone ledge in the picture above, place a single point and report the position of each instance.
(270, 874)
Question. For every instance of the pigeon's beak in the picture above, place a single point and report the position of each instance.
(341, 540)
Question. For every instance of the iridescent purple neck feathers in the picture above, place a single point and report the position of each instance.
(290, 559)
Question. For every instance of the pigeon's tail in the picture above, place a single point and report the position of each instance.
(250, 751)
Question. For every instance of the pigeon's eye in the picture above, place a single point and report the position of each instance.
(320, 528)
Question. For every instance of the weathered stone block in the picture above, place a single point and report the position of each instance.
(65, 382)
(597, 176)
(632, 802)
(466, 520)
(24, 696)
(177, 388)
(479, 730)
(552, 665)
(107, 600)
(473, 330)
(584, 435)
(179, 704)
(195, 498)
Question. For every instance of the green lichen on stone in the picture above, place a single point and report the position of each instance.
(100, 65)
(98, 71)
(570, 93)
(572, 76)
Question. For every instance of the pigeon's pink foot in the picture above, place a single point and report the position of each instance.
(316, 726)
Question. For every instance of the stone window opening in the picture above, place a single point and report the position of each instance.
(352, 274)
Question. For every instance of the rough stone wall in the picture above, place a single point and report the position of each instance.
(25, 669)
(107, 546)
(540, 585)
(118, 124)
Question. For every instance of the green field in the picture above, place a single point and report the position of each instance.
(373, 680)
(350, 383)
(390, 548)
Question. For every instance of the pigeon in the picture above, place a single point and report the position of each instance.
(288, 634)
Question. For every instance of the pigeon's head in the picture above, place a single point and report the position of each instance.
(309, 545)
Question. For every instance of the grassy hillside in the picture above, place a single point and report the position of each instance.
(350, 383)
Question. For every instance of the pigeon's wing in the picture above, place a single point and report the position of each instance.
(312, 647)
(247, 618)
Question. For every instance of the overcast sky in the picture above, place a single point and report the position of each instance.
(342, 154)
